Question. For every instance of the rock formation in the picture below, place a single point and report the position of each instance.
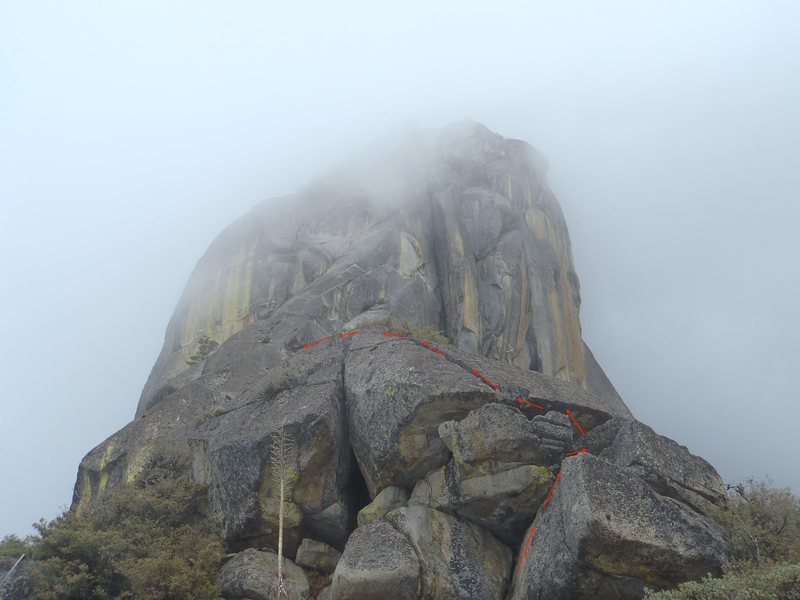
(500, 463)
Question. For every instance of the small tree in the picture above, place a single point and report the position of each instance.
(283, 460)
(205, 347)
(762, 523)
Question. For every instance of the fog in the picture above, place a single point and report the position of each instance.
(132, 133)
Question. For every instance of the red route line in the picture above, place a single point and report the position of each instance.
(524, 552)
(430, 346)
(550, 493)
(394, 334)
(341, 335)
(477, 373)
(530, 404)
(581, 451)
(569, 413)
(305, 346)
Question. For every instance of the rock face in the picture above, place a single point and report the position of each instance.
(606, 534)
(425, 462)
(457, 559)
(455, 228)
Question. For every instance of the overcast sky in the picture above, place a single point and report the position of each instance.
(131, 133)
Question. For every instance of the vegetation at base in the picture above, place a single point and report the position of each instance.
(775, 582)
(148, 540)
(13, 546)
(762, 524)
(205, 348)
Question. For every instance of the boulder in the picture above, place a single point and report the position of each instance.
(378, 562)
(504, 502)
(398, 394)
(318, 556)
(606, 534)
(669, 468)
(496, 436)
(252, 575)
(389, 499)
(458, 559)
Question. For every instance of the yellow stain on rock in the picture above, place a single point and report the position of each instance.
(103, 470)
(558, 334)
(86, 493)
(569, 358)
(410, 257)
(225, 308)
(136, 464)
(470, 318)
(457, 243)
(575, 355)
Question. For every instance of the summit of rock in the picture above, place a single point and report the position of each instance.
(454, 228)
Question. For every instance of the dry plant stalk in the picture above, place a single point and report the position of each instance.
(283, 455)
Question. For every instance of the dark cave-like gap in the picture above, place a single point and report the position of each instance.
(357, 489)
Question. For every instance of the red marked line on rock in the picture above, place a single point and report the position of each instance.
(569, 414)
(525, 551)
(581, 451)
(394, 334)
(430, 346)
(550, 493)
(485, 380)
(530, 404)
(306, 346)
(341, 335)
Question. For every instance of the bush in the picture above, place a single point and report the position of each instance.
(762, 523)
(205, 348)
(776, 582)
(13, 546)
(148, 540)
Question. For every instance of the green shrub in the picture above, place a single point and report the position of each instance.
(205, 348)
(13, 546)
(775, 582)
(149, 541)
(762, 523)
